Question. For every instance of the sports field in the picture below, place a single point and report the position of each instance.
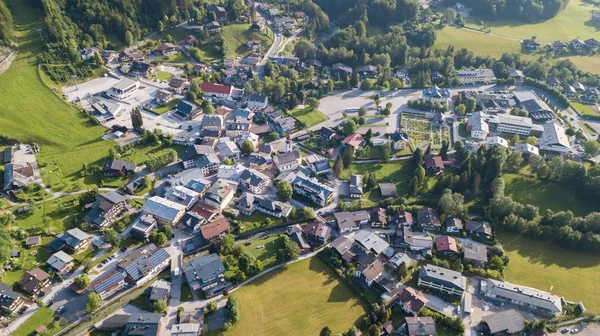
(31, 112)
(298, 300)
(542, 265)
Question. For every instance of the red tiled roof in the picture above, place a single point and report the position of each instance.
(353, 140)
(446, 244)
(215, 228)
(215, 88)
(433, 161)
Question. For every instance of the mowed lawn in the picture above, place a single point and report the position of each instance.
(308, 116)
(31, 112)
(584, 109)
(478, 43)
(547, 195)
(299, 299)
(398, 172)
(542, 265)
(44, 316)
(236, 36)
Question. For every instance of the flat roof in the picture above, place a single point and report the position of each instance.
(124, 84)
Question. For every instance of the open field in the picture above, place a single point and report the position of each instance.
(31, 257)
(584, 110)
(236, 36)
(299, 299)
(67, 138)
(60, 214)
(44, 315)
(162, 75)
(547, 195)
(478, 43)
(308, 116)
(573, 275)
(177, 33)
(398, 172)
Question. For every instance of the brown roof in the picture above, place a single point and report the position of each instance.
(431, 161)
(215, 228)
(446, 243)
(40, 329)
(353, 140)
(317, 229)
(372, 270)
(413, 299)
(24, 170)
(204, 210)
(33, 278)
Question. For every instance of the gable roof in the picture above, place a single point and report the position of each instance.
(509, 321)
(216, 88)
(446, 243)
(203, 269)
(215, 228)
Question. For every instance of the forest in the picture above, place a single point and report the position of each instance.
(6, 24)
(520, 10)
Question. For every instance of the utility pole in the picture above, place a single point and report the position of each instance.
(76, 84)
(39, 30)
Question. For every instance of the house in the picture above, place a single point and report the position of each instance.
(411, 300)
(295, 234)
(146, 324)
(453, 225)
(255, 181)
(34, 281)
(190, 40)
(284, 125)
(340, 70)
(356, 186)
(143, 226)
(516, 74)
(186, 329)
(368, 272)
(436, 95)
(220, 12)
(254, 44)
(105, 210)
(496, 141)
(355, 141)
(190, 156)
(212, 122)
(187, 111)
(182, 195)
(371, 243)
(312, 189)
(318, 164)
(481, 229)
(577, 45)
(199, 185)
(420, 326)
(232, 173)
(206, 274)
(433, 164)
(33, 241)
(290, 160)
(388, 190)
(257, 102)
(446, 245)
(442, 279)
(166, 212)
(317, 232)
(569, 91)
(413, 241)
(350, 221)
(246, 114)
(117, 168)
(378, 217)
(178, 84)
(17, 176)
(142, 69)
(10, 301)
(163, 96)
(237, 128)
(399, 140)
(249, 136)
(532, 299)
(399, 259)
(73, 240)
(369, 71)
(530, 44)
(108, 56)
(591, 94)
(342, 246)
(8, 154)
(216, 90)
(527, 149)
(274, 208)
(87, 53)
(476, 76)
(580, 88)
(475, 254)
(553, 82)
(507, 322)
(60, 263)
(327, 133)
(108, 284)
(592, 43)
(259, 25)
(404, 219)
(144, 263)
(219, 195)
(167, 48)
(428, 219)
(437, 77)
(228, 149)
(159, 291)
(129, 55)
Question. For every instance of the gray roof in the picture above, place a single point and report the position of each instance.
(162, 208)
(509, 321)
(7, 295)
(114, 197)
(446, 276)
(371, 241)
(527, 295)
(454, 222)
(59, 259)
(204, 269)
(388, 190)
(554, 135)
(477, 252)
(287, 158)
(253, 177)
(142, 260)
(420, 326)
(124, 84)
(143, 324)
(214, 120)
(181, 195)
(349, 219)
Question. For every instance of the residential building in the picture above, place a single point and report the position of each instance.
(399, 259)
(481, 229)
(186, 329)
(220, 12)
(260, 161)
(74, 240)
(530, 44)
(108, 284)
(159, 291)
(236, 128)
(206, 274)
(255, 181)
(476, 76)
(233, 172)
(178, 84)
(341, 70)
(17, 176)
(167, 48)
(273, 207)
(10, 301)
(143, 226)
(411, 300)
(212, 122)
(87, 53)
(117, 168)
(182, 195)
(343, 246)
(388, 190)
(442, 279)
(327, 133)
(496, 141)
(413, 241)
(105, 210)
(257, 102)
(318, 164)
(436, 95)
(166, 212)
(446, 245)
(144, 263)
(371, 243)
(531, 299)
(356, 186)
(216, 90)
(355, 141)
(317, 232)
(248, 136)
(8, 154)
(350, 221)
(420, 326)
(199, 185)
(33, 241)
(312, 189)
(368, 272)
(454, 225)
(124, 88)
(477, 126)
(295, 234)
(141, 69)
(144, 324)
(399, 140)
(228, 149)
(378, 217)
(192, 222)
(215, 229)
(475, 254)
(34, 281)
(290, 160)
(433, 164)
(527, 149)
(369, 71)
(554, 82)
(516, 74)
(187, 111)
(404, 219)
(60, 263)
(219, 195)
(428, 219)
(507, 322)
(191, 154)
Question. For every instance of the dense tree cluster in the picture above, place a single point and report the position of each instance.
(378, 12)
(521, 10)
(6, 24)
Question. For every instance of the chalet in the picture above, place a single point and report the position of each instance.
(295, 234)
(370, 243)
(73, 240)
(475, 254)
(105, 210)
(516, 74)
(481, 229)
(591, 94)
(206, 274)
(592, 43)
(213, 27)
(17, 176)
(220, 12)
(60, 263)
(129, 55)
(577, 45)
(399, 140)
(10, 301)
(191, 40)
(355, 141)
(343, 247)
(433, 164)
(356, 186)
(558, 45)
(420, 326)
(317, 232)
(144, 264)
(437, 77)
(406, 239)
(428, 219)
(34, 281)
(369, 71)
(141, 69)
(341, 70)
(178, 84)
(216, 90)
(454, 225)
(163, 96)
(530, 44)
(327, 133)
(215, 229)
(404, 219)
(410, 300)
(552, 81)
(254, 44)
(117, 168)
(259, 25)
(167, 48)
(108, 56)
(350, 221)
(368, 272)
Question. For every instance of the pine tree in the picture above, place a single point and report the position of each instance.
(338, 166)
(136, 119)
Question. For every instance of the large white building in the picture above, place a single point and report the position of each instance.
(554, 139)
(480, 124)
(529, 298)
(124, 88)
(476, 76)
(436, 95)
(478, 127)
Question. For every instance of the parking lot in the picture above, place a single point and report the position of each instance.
(582, 329)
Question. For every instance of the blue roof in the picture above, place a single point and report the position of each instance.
(185, 107)
(109, 282)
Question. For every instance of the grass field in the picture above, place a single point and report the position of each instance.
(308, 116)
(177, 33)
(547, 195)
(573, 275)
(299, 299)
(44, 315)
(162, 75)
(584, 109)
(398, 172)
(60, 214)
(478, 43)
(29, 259)
(31, 112)
(236, 36)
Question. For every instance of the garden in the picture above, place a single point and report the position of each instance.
(421, 132)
